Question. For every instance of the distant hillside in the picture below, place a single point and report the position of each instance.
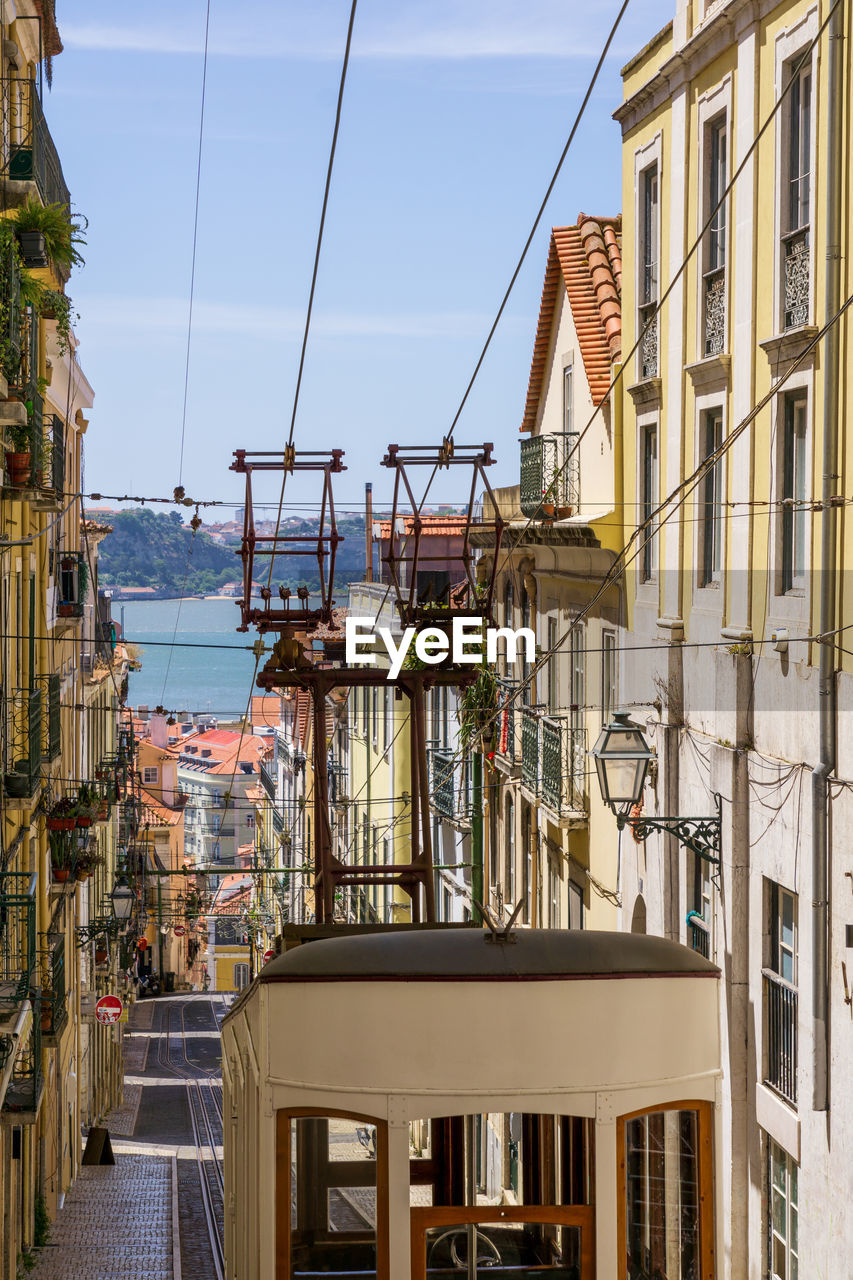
(149, 549)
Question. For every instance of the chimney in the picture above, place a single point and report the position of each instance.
(159, 733)
(142, 712)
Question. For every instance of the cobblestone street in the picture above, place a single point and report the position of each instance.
(149, 1216)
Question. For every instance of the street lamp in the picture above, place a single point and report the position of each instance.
(123, 899)
(622, 758)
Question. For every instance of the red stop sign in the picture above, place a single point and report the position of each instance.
(268, 955)
(108, 1010)
(179, 930)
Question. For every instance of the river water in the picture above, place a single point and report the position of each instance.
(187, 676)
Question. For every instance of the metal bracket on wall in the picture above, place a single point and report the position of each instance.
(703, 836)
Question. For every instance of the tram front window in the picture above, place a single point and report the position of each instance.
(663, 1201)
(505, 1250)
(333, 1177)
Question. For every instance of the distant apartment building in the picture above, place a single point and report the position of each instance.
(216, 768)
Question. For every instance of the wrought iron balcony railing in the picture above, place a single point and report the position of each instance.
(554, 761)
(27, 152)
(23, 713)
(550, 474)
(507, 745)
(51, 721)
(268, 779)
(699, 937)
(450, 793)
(17, 973)
(564, 760)
(54, 993)
(531, 754)
(780, 1035)
(715, 311)
(337, 782)
(797, 278)
(648, 323)
(73, 577)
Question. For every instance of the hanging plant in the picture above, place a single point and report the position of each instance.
(63, 231)
(478, 707)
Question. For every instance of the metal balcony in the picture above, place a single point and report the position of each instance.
(780, 1035)
(648, 323)
(51, 721)
(54, 994)
(797, 278)
(17, 977)
(449, 784)
(715, 311)
(553, 762)
(550, 473)
(268, 779)
(23, 713)
(73, 577)
(337, 782)
(699, 937)
(27, 152)
(507, 745)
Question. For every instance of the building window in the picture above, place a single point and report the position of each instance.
(648, 499)
(150, 773)
(527, 863)
(568, 415)
(528, 692)
(649, 250)
(794, 485)
(782, 1213)
(715, 265)
(780, 993)
(509, 837)
(575, 897)
(241, 976)
(701, 915)
(553, 668)
(796, 192)
(609, 701)
(554, 903)
(711, 490)
(374, 711)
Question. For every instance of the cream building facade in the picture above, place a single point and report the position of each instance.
(734, 377)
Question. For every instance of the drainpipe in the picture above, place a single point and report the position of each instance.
(826, 680)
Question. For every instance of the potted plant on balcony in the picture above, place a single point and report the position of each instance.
(63, 815)
(478, 709)
(87, 805)
(63, 855)
(51, 233)
(19, 456)
(87, 862)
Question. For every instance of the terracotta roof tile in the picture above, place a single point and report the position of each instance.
(585, 260)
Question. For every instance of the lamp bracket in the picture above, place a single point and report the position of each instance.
(703, 836)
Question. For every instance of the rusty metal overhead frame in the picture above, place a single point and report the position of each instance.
(290, 612)
(416, 876)
(405, 555)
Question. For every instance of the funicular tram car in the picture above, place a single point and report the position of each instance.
(441, 1102)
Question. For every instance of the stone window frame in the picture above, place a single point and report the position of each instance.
(710, 594)
(647, 586)
(651, 153)
(710, 106)
(789, 606)
(790, 44)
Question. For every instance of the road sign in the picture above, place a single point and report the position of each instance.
(268, 955)
(108, 1010)
(179, 931)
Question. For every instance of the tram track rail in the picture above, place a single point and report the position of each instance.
(204, 1106)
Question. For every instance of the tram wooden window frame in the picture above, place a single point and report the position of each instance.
(283, 1183)
(560, 1215)
(705, 1122)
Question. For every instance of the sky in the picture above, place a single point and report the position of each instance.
(454, 116)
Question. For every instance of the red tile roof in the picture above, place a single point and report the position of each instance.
(586, 261)
(436, 526)
(266, 711)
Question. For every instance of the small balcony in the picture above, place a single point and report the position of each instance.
(450, 794)
(796, 284)
(780, 1035)
(648, 327)
(714, 288)
(553, 762)
(550, 475)
(23, 712)
(51, 721)
(268, 778)
(27, 153)
(337, 783)
(698, 935)
(20, 1032)
(54, 994)
(507, 745)
(73, 582)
